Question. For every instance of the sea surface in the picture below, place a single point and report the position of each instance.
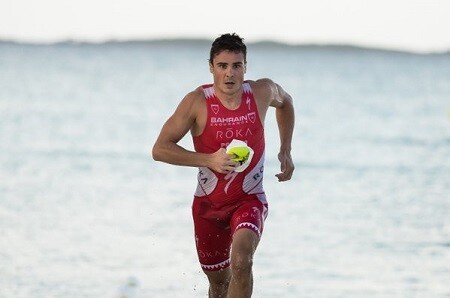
(86, 212)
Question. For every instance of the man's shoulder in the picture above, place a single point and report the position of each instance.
(196, 95)
(261, 84)
(194, 100)
(262, 88)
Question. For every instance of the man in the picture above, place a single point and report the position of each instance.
(229, 206)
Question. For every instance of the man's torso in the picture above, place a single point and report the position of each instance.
(221, 126)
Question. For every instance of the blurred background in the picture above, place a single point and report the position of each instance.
(85, 88)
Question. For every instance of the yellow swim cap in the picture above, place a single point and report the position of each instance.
(241, 153)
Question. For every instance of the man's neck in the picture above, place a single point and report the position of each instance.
(230, 101)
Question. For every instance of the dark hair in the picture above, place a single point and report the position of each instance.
(228, 42)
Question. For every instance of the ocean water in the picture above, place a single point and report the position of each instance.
(84, 209)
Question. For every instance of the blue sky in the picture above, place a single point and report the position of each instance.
(415, 25)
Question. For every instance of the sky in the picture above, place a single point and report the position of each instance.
(412, 25)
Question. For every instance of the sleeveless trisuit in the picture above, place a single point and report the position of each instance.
(224, 203)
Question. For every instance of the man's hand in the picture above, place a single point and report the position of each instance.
(221, 162)
(287, 167)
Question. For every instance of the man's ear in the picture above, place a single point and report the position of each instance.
(211, 68)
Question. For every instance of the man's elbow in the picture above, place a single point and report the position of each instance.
(288, 100)
(156, 153)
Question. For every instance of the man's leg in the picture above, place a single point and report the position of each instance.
(243, 248)
(218, 282)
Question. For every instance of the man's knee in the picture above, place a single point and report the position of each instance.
(218, 282)
(242, 263)
(219, 278)
(244, 245)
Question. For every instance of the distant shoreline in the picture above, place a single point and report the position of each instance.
(207, 43)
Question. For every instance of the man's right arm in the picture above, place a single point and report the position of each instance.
(166, 148)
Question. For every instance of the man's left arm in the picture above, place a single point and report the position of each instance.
(285, 116)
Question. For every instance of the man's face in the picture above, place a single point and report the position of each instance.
(228, 69)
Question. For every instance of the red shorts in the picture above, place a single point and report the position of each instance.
(214, 228)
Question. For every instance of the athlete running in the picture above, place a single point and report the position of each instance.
(229, 206)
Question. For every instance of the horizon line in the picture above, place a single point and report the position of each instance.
(271, 42)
